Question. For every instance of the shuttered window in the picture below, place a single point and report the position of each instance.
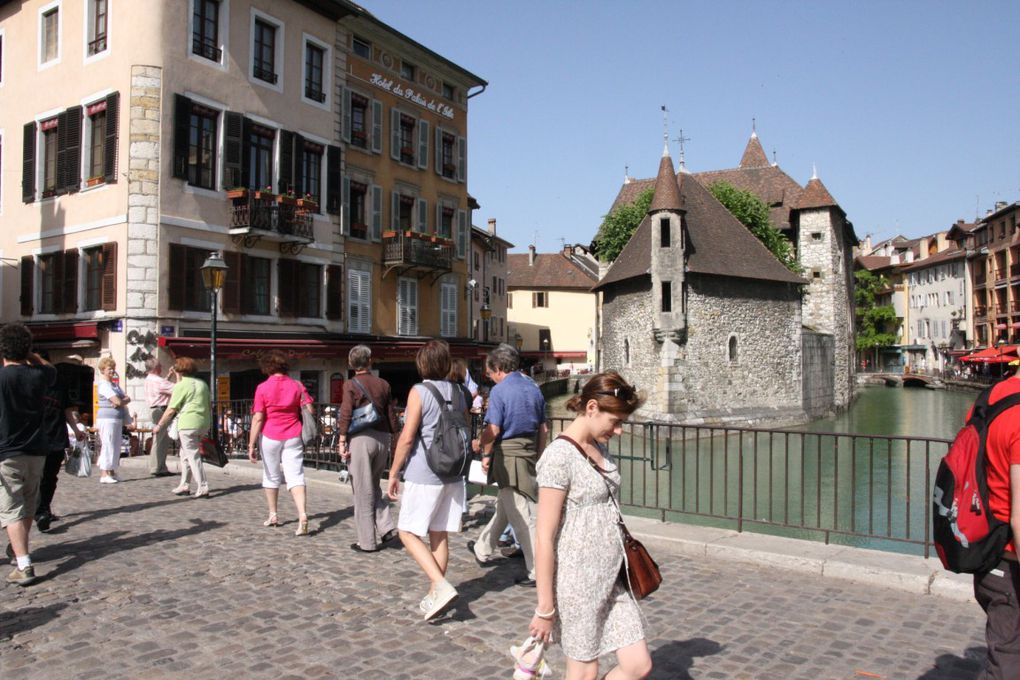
(359, 292)
(462, 234)
(93, 261)
(97, 143)
(187, 291)
(334, 292)
(195, 143)
(309, 290)
(51, 272)
(310, 163)
(407, 306)
(448, 309)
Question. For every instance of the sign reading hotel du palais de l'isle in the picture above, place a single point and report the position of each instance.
(387, 84)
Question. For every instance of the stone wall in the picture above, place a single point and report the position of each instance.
(627, 342)
(818, 369)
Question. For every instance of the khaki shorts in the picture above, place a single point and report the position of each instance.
(19, 487)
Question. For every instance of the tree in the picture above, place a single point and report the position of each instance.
(877, 325)
(753, 213)
(619, 225)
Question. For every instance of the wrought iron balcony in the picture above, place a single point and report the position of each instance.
(204, 47)
(410, 251)
(265, 215)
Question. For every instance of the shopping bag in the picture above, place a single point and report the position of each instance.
(212, 453)
(79, 462)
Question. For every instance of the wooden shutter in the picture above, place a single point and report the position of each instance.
(230, 298)
(334, 291)
(109, 290)
(290, 153)
(110, 150)
(27, 285)
(377, 126)
(461, 159)
(28, 166)
(178, 276)
(334, 198)
(287, 272)
(439, 218)
(461, 233)
(345, 205)
(423, 144)
(395, 210)
(395, 134)
(423, 215)
(345, 107)
(376, 225)
(72, 148)
(182, 132)
(70, 282)
(63, 126)
(353, 291)
(234, 169)
(438, 151)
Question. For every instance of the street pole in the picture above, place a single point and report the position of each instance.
(212, 363)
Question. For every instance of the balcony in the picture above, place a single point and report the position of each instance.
(411, 252)
(255, 215)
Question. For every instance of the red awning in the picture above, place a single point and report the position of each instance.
(555, 355)
(308, 348)
(68, 330)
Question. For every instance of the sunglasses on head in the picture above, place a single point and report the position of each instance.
(624, 393)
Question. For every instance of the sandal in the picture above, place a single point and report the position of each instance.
(273, 521)
(302, 527)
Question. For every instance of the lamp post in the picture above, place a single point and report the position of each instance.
(471, 308)
(518, 341)
(486, 314)
(214, 274)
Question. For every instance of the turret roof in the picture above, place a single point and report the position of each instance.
(667, 188)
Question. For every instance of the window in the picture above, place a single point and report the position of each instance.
(58, 282)
(93, 278)
(309, 285)
(187, 292)
(407, 307)
(362, 48)
(359, 295)
(664, 232)
(626, 351)
(407, 71)
(264, 52)
(816, 236)
(260, 151)
(49, 39)
(97, 142)
(48, 267)
(405, 213)
(510, 301)
(97, 24)
(540, 299)
(202, 147)
(731, 350)
(359, 121)
(255, 288)
(448, 91)
(358, 206)
(205, 31)
(448, 309)
(49, 157)
(310, 177)
(667, 296)
(449, 167)
(407, 139)
(314, 64)
(445, 226)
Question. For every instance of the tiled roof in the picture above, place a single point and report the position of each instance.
(717, 243)
(773, 186)
(949, 254)
(667, 188)
(754, 156)
(815, 195)
(550, 270)
(873, 262)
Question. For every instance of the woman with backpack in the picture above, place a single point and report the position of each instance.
(433, 502)
(368, 422)
(276, 430)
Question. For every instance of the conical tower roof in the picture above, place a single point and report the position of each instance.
(815, 195)
(754, 156)
(667, 188)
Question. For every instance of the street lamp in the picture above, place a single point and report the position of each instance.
(486, 314)
(214, 274)
(471, 284)
(518, 341)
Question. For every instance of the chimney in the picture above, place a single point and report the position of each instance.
(492, 226)
(909, 256)
(531, 256)
(999, 205)
(867, 244)
(568, 250)
(923, 250)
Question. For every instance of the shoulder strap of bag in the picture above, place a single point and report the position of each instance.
(365, 392)
(602, 473)
(437, 394)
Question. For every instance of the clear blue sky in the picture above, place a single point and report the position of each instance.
(910, 110)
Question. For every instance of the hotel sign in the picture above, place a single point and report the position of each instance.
(384, 83)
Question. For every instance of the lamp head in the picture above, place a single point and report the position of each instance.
(214, 272)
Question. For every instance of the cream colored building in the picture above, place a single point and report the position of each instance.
(552, 311)
(488, 294)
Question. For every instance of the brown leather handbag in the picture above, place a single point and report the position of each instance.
(639, 570)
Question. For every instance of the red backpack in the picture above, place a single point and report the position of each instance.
(968, 537)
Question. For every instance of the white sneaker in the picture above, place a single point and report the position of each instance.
(181, 490)
(437, 602)
(108, 480)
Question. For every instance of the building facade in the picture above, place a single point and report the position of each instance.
(937, 291)
(488, 295)
(152, 133)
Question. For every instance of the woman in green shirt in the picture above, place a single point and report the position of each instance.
(190, 403)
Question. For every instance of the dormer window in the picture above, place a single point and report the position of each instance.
(664, 232)
(407, 71)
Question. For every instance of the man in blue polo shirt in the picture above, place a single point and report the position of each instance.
(511, 442)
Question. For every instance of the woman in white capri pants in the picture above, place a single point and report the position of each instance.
(276, 426)
(109, 420)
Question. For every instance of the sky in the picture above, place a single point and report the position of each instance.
(909, 111)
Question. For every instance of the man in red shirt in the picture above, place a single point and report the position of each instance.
(998, 590)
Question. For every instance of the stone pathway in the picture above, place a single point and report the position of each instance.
(138, 583)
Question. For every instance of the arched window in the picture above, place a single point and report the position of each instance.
(732, 350)
(626, 352)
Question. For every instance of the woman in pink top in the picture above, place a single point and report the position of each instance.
(276, 416)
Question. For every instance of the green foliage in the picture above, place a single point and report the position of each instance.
(619, 225)
(876, 324)
(753, 213)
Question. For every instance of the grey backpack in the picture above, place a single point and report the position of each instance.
(449, 453)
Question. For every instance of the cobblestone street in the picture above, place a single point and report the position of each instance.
(137, 583)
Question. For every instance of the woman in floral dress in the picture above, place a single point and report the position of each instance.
(582, 598)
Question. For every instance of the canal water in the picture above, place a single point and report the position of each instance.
(862, 478)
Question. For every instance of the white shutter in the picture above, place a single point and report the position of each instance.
(376, 126)
(423, 215)
(461, 159)
(438, 151)
(345, 103)
(461, 233)
(376, 221)
(395, 134)
(353, 295)
(407, 307)
(345, 207)
(413, 306)
(448, 309)
(395, 211)
(366, 302)
(423, 144)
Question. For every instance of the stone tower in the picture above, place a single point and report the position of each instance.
(667, 243)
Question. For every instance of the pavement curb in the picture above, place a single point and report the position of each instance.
(874, 567)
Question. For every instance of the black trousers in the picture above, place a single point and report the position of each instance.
(997, 592)
(48, 483)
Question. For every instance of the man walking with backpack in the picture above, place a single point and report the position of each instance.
(511, 442)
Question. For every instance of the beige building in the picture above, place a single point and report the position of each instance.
(551, 309)
(486, 287)
(154, 132)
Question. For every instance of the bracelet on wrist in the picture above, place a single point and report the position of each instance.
(545, 615)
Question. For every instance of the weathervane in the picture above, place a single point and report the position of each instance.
(680, 140)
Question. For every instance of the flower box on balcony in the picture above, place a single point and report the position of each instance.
(284, 199)
(308, 204)
(236, 193)
(389, 233)
(263, 195)
(94, 181)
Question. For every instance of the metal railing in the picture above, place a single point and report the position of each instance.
(268, 214)
(863, 490)
(418, 250)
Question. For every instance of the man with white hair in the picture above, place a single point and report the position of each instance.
(157, 394)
